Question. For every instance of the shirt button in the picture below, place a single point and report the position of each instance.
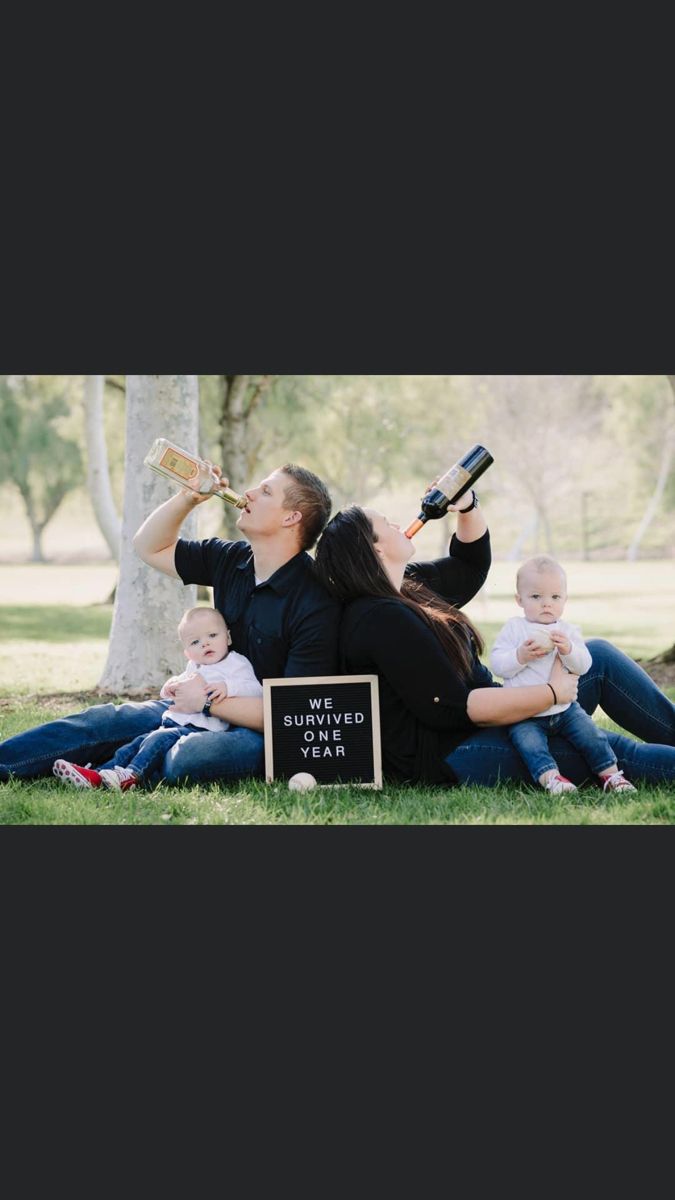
(437, 699)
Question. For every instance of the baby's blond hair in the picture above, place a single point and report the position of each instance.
(537, 566)
(192, 613)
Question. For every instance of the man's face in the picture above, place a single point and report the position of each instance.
(265, 512)
(206, 640)
(543, 596)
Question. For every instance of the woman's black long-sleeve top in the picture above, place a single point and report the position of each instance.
(423, 700)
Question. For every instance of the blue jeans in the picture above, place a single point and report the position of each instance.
(626, 694)
(96, 735)
(530, 739)
(145, 755)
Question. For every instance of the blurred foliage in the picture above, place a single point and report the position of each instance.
(576, 456)
(37, 453)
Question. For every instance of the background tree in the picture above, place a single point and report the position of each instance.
(143, 649)
(98, 473)
(35, 456)
(663, 427)
(230, 436)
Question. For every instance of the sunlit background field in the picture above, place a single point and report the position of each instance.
(54, 622)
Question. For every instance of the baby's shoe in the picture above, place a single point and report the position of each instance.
(120, 779)
(556, 784)
(617, 783)
(79, 777)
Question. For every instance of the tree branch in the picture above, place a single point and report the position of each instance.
(263, 386)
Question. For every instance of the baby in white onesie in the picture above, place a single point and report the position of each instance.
(206, 644)
(524, 654)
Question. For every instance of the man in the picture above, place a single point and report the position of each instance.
(279, 616)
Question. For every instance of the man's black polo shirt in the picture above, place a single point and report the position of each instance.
(287, 626)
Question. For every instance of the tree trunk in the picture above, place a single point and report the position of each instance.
(38, 556)
(668, 656)
(241, 396)
(144, 647)
(667, 455)
(98, 475)
(234, 441)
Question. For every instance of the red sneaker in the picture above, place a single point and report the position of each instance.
(120, 779)
(617, 783)
(79, 777)
(558, 784)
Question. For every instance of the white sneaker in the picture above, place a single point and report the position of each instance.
(119, 779)
(555, 784)
(618, 783)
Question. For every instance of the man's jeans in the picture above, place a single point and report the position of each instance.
(530, 739)
(629, 698)
(95, 735)
(623, 690)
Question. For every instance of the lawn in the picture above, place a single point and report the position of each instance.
(53, 648)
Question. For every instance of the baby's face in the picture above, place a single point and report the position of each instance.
(543, 597)
(206, 640)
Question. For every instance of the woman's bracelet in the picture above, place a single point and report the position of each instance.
(553, 690)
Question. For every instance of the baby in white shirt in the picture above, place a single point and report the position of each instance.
(206, 645)
(524, 653)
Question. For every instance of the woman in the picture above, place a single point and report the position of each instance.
(443, 717)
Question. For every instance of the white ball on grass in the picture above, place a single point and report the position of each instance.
(302, 782)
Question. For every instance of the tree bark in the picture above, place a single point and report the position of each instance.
(667, 455)
(240, 398)
(144, 648)
(98, 475)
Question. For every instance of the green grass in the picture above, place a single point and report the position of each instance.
(52, 652)
(45, 802)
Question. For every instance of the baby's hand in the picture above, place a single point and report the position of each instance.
(218, 693)
(562, 644)
(530, 651)
(168, 692)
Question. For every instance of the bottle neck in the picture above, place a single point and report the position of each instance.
(414, 529)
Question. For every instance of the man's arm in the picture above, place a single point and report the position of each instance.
(239, 710)
(155, 542)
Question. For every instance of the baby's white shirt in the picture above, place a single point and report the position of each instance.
(235, 670)
(504, 656)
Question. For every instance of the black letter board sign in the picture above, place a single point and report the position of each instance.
(327, 726)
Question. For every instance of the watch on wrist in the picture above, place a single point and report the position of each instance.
(474, 504)
(206, 711)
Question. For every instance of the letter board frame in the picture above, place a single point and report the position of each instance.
(283, 742)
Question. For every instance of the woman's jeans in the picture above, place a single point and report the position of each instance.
(95, 735)
(531, 740)
(624, 691)
(629, 698)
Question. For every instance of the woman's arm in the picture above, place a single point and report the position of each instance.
(508, 706)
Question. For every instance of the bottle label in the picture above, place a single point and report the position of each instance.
(457, 480)
(184, 468)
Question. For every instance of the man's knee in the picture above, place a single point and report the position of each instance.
(208, 757)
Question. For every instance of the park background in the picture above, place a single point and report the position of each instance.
(583, 470)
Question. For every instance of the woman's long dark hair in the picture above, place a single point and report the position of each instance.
(349, 568)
